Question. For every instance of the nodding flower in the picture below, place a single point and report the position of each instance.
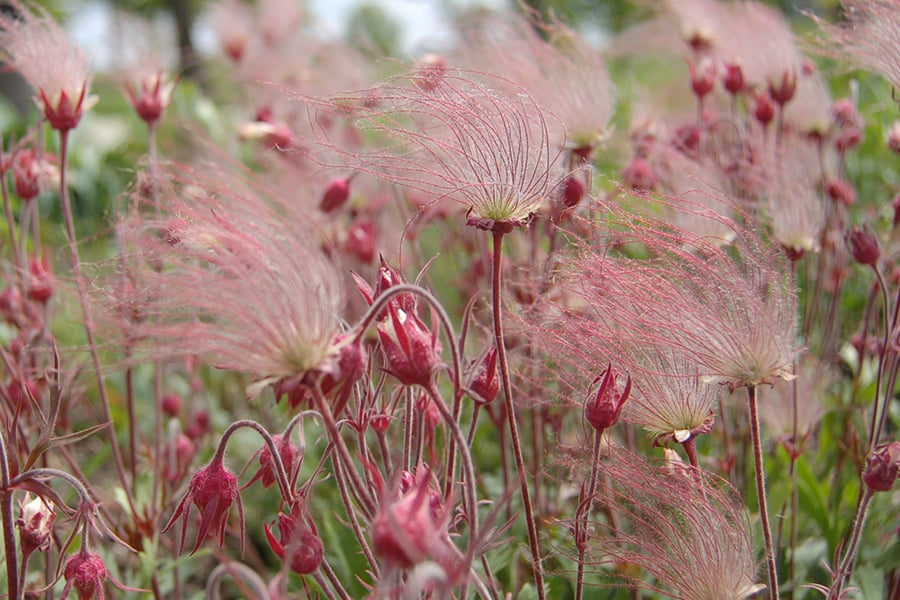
(38, 48)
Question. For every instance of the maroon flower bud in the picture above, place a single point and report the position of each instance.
(26, 174)
(152, 97)
(288, 453)
(573, 191)
(299, 543)
(380, 422)
(484, 381)
(362, 241)
(863, 246)
(212, 489)
(336, 194)
(408, 526)
(171, 405)
(848, 139)
(703, 77)
(783, 90)
(85, 572)
(841, 191)
(687, 137)
(604, 410)
(764, 109)
(639, 174)
(35, 524)
(41, 282)
(883, 467)
(733, 78)
(844, 112)
(412, 352)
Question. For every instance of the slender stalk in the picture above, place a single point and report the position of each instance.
(875, 425)
(466, 459)
(761, 492)
(842, 575)
(86, 319)
(511, 415)
(6, 514)
(581, 525)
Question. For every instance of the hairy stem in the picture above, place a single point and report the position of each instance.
(6, 514)
(511, 415)
(761, 492)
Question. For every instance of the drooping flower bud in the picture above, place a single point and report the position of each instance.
(35, 524)
(783, 90)
(287, 451)
(336, 194)
(573, 191)
(863, 246)
(883, 467)
(840, 190)
(299, 544)
(85, 572)
(362, 240)
(212, 489)
(764, 108)
(412, 351)
(604, 409)
(703, 77)
(41, 282)
(484, 380)
(733, 78)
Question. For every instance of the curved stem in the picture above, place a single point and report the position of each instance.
(511, 415)
(88, 329)
(278, 466)
(846, 567)
(761, 491)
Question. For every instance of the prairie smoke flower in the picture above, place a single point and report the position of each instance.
(603, 410)
(670, 401)
(458, 138)
(298, 544)
(560, 69)
(726, 304)
(85, 572)
(689, 530)
(870, 37)
(212, 489)
(412, 522)
(150, 94)
(37, 47)
(883, 467)
(777, 410)
(35, 524)
(232, 276)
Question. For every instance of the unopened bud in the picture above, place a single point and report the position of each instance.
(863, 246)
(336, 194)
(883, 467)
(604, 409)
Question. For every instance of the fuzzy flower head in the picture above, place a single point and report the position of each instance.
(38, 48)
(671, 403)
(683, 526)
(230, 273)
(85, 572)
(459, 138)
(870, 37)
(725, 304)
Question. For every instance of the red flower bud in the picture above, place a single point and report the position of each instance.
(783, 90)
(841, 191)
(484, 380)
(604, 410)
(733, 79)
(412, 352)
(703, 77)
(335, 195)
(299, 543)
(212, 489)
(171, 405)
(764, 110)
(863, 246)
(573, 191)
(85, 572)
(883, 467)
